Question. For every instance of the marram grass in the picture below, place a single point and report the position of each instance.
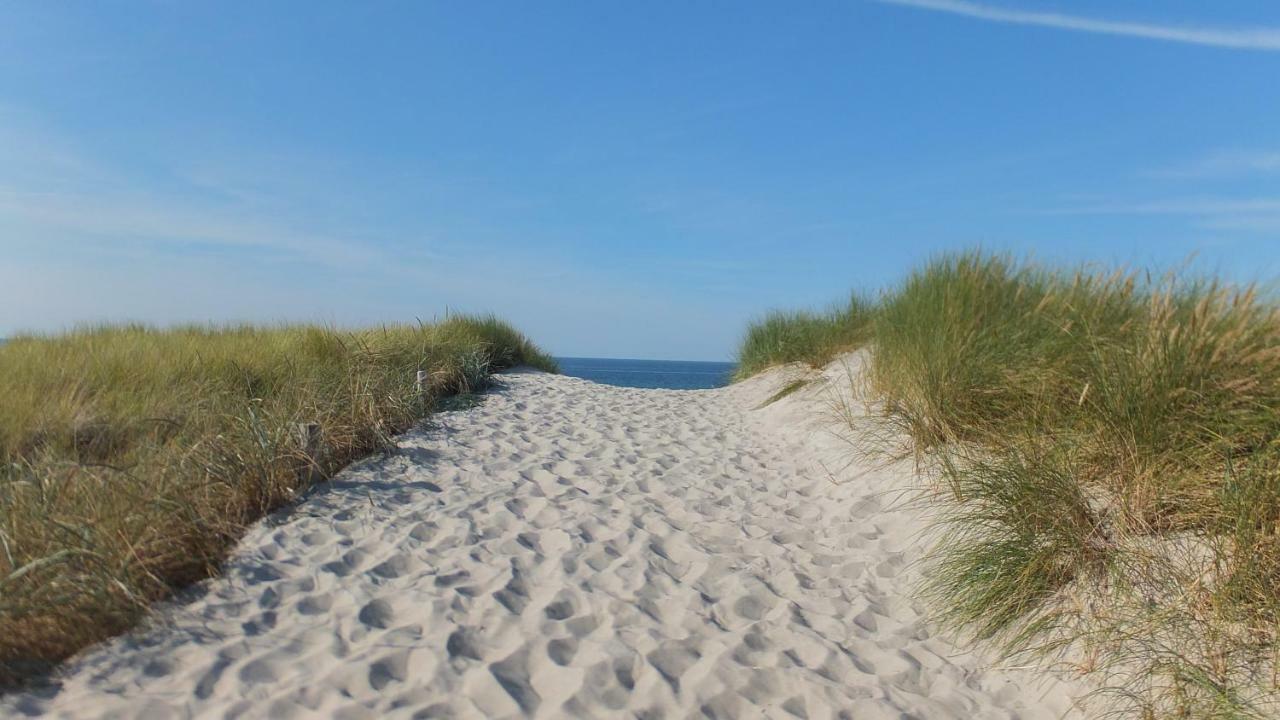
(132, 459)
(806, 337)
(1107, 451)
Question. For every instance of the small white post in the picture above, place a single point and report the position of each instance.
(422, 382)
(308, 435)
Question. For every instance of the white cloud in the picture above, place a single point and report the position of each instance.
(1242, 38)
(1224, 164)
(1259, 216)
(1181, 206)
(1261, 224)
(52, 192)
(33, 216)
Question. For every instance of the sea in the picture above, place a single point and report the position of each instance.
(671, 374)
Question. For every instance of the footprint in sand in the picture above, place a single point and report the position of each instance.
(566, 549)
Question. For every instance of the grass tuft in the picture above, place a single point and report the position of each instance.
(1020, 530)
(811, 338)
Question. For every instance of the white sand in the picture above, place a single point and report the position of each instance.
(567, 549)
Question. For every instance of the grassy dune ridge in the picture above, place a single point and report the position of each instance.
(800, 336)
(132, 459)
(1104, 448)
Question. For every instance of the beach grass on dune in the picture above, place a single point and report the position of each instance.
(132, 458)
(806, 337)
(1107, 451)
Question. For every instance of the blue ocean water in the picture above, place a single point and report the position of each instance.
(672, 374)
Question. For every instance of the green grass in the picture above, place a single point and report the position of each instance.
(806, 337)
(1107, 450)
(132, 459)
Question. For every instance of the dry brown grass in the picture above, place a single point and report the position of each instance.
(131, 459)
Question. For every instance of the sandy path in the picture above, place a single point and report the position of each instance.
(566, 549)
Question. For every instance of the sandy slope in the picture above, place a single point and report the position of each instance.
(567, 549)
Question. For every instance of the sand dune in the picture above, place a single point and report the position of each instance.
(566, 549)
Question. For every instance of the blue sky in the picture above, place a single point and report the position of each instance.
(626, 180)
